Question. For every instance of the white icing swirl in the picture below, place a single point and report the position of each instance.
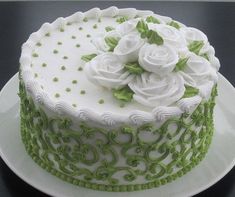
(192, 34)
(128, 47)
(107, 70)
(198, 71)
(153, 90)
(162, 113)
(170, 35)
(158, 59)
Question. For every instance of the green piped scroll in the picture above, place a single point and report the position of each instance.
(116, 160)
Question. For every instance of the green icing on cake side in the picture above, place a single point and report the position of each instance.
(56, 147)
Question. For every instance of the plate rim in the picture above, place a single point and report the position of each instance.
(50, 192)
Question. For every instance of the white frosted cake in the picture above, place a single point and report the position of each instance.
(117, 99)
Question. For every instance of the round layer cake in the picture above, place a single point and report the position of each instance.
(117, 99)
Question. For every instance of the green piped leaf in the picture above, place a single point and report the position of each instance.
(109, 28)
(151, 19)
(134, 68)
(195, 46)
(154, 38)
(89, 57)
(122, 19)
(174, 24)
(124, 94)
(142, 28)
(205, 55)
(181, 64)
(190, 91)
(111, 42)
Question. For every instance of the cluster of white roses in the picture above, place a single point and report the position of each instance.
(160, 84)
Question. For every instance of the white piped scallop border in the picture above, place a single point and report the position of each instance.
(135, 117)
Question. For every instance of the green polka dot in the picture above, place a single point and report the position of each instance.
(80, 68)
(55, 79)
(74, 105)
(68, 90)
(59, 43)
(65, 57)
(35, 55)
(74, 82)
(88, 35)
(80, 28)
(85, 19)
(57, 95)
(82, 92)
(39, 44)
(68, 23)
(73, 37)
(63, 68)
(47, 34)
(44, 65)
(95, 26)
(35, 75)
(101, 101)
(55, 51)
(77, 45)
(61, 29)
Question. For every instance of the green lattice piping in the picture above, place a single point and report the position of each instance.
(40, 134)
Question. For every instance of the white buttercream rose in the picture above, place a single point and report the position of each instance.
(198, 71)
(192, 34)
(127, 27)
(100, 43)
(170, 35)
(107, 70)
(128, 47)
(153, 90)
(158, 59)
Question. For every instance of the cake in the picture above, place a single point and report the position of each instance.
(117, 99)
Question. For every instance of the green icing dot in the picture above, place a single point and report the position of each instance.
(59, 43)
(44, 65)
(35, 75)
(35, 55)
(80, 68)
(122, 105)
(78, 45)
(65, 57)
(55, 51)
(74, 105)
(39, 44)
(63, 67)
(85, 19)
(80, 28)
(47, 34)
(73, 37)
(82, 92)
(74, 81)
(101, 101)
(55, 79)
(68, 23)
(95, 26)
(61, 29)
(88, 35)
(57, 95)
(68, 90)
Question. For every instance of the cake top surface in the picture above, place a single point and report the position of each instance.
(118, 65)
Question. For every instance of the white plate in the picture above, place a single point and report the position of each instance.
(219, 160)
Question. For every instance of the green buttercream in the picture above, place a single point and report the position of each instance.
(142, 28)
(181, 64)
(190, 91)
(151, 19)
(195, 46)
(89, 155)
(121, 19)
(174, 24)
(111, 42)
(134, 68)
(89, 57)
(109, 28)
(124, 94)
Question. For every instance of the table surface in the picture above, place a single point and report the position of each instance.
(19, 19)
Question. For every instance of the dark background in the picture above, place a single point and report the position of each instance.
(19, 20)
